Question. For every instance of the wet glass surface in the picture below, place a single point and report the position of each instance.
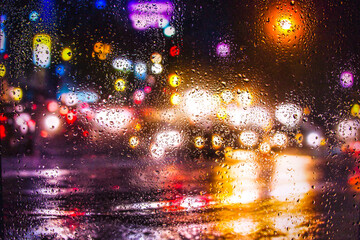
(179, 120)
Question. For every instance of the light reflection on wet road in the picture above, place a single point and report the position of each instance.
(290, 196)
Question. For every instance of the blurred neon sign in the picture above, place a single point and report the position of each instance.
(145, 15)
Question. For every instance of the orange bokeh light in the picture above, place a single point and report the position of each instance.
(284, 24)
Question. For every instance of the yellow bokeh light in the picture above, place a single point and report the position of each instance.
(138, 127)
(285, 24)
(299, 137)
(120, 85)
(66, 54)
(156, 58)
(134, 141)
(221, 113)
(216, 141)
(199, 142)
(174, 80)
(175, 99)
(2, 70)
(16, 94)
(355, 110)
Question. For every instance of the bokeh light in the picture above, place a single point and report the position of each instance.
(244, 98)
(216, 141)
(42, 50)
(174, 80)
(156, 58)
(199, 142)
(288, 114)
(156, 68)
(248, 138)
(2, 70)
(134, 141)
(66, 54)
(122, 64)
(34, 16)
(100, 4)
(52, 123)
(223, 49)
(120, 85)
(175, 99)
(346, 79)
(169, 31)
(139, 96)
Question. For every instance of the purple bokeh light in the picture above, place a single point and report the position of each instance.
(223, 49)
(346, 79)
(155, 14)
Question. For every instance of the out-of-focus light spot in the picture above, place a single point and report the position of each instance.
(100, 4)
(6, 56)
(101, 50)
(156, 58)
(199, 142)
(313, 139)
(157, 151)
(307, 111)
(71, 117)
(346, 79)
(348, 130)
(32, 124)
(163, 23)
(244, 98)
(223, 49)
(198, 104)
(134, 141)
(216, 141)
(156, 68)
(147, 89)
(70, 99)
(122, 64)
(169, 31)
(288, 114)
(63, 110)
(44, 134)
(16, 94)
(34, 16)
(138, 96)
(299, 138)
(248, 138)
(66, 54)
(140, 71)
(290, 181)
(227, 96)
(114, 120)
(175, 99)
(60, 70)
(52, 106)
(120, 85)
(174, 80)
(264, 147)
(2, 131)
(285, 24)
(2, 70)
(279, 140)
(137, 127)
(42, 50)
(150, 14)
(52, 123)
(355, 109)
(174, 51)
(221, 113)
(169, 139)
